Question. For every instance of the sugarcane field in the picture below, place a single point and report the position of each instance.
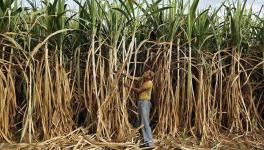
(131, 74)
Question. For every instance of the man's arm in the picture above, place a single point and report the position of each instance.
(129, 76)
(138, 90)
(132, 77)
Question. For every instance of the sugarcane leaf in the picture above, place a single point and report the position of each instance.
(36, 48)
(31, 4)
(122, 12)
(191, 18)
(2, 5)
(161, 9)
(127, 9)
(8, 4)
(78, 3)
(14, 13)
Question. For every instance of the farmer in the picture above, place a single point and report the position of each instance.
(144, 104)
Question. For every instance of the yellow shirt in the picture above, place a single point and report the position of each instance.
(146, 95)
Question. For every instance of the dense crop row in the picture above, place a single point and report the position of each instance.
(57, 68)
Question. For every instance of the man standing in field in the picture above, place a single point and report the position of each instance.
(144, 104)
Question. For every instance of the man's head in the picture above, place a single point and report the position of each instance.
(148, 74)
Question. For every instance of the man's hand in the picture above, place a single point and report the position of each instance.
(138, 90)
(118, 72)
